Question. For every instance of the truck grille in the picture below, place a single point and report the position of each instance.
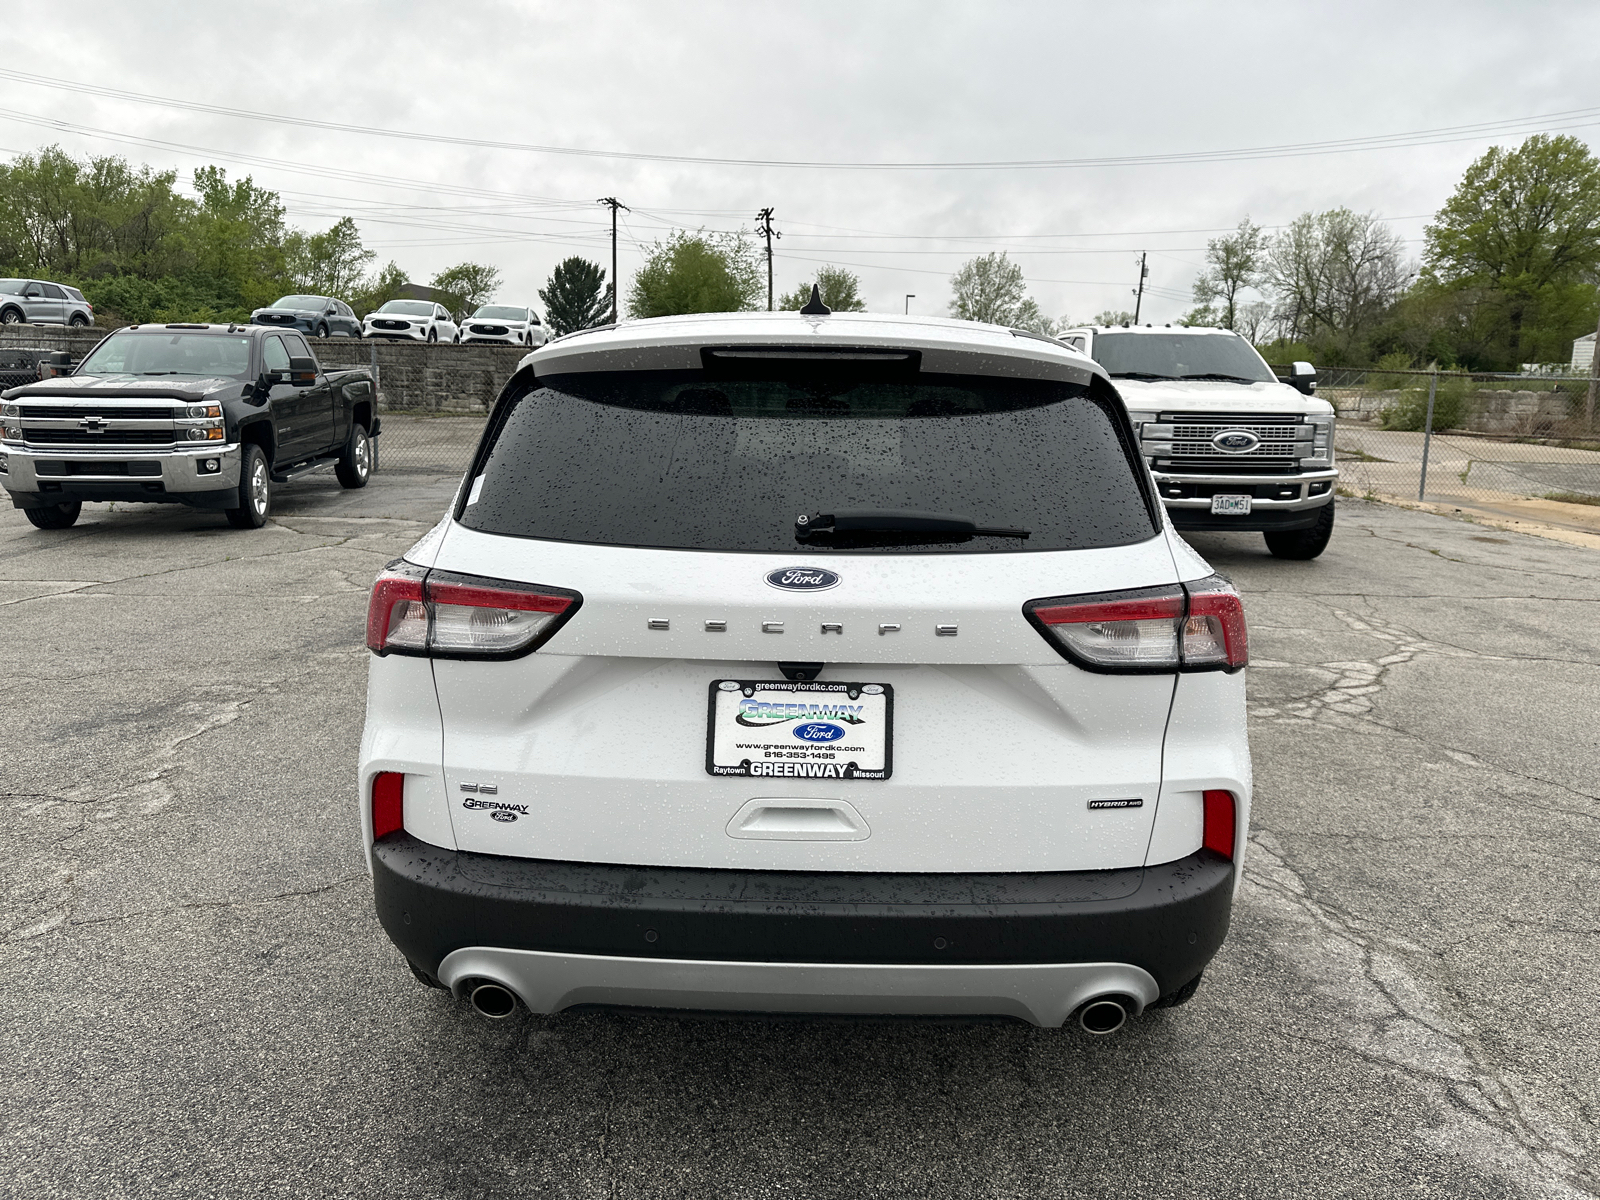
(1184, 439)
(65, 412)
(98, 437)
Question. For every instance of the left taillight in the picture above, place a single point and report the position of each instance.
(1178, 627)
(441, 614)
(388, 803)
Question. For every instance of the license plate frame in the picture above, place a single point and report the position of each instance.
(850, 718)
(1230, 505)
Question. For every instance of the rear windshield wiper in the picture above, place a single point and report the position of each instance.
(899, 520)
(1139, 375)
(1222, 378)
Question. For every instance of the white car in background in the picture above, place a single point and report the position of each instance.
(807, 662)
(411, 320)
(506, 323)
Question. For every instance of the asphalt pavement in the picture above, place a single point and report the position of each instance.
(199, 1001)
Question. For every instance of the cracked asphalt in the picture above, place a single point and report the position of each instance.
(199, 1002)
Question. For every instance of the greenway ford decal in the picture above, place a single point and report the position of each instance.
(802, 579)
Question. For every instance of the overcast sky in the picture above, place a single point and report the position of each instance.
(862, 81)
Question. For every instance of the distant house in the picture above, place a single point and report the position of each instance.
(1583, 355)
(417, 291)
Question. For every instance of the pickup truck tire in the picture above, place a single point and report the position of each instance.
(354, 467)
(1304, 543)
(255, 491)
(54, 516)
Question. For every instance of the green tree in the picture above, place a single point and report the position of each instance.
(466, 286)
(576, 296)
(1233, 263)
(1112, 316)
(697, 272)
(330, 263)
(990, 288)
(377, 291)
(237, 238)
(840, 288)
(1335, 277)
(1516, 248)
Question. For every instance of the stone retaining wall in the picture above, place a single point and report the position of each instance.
(412, 377)
(1490, 410)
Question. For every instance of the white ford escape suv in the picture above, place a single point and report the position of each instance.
(807, 662)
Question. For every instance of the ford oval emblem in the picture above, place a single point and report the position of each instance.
(819, 731)
(1235, 441)
(802, 579)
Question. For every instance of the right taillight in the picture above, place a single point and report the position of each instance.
(1220, 820)
(439, 614)
(1188, 627)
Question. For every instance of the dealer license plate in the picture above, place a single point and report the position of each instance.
(812, 730)
(1231, 506)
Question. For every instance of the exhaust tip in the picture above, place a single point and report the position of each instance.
(1102, 1016)
(493, 1001)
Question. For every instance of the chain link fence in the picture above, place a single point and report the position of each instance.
(1452, 437)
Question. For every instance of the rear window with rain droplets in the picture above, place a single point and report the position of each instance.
(710, 461)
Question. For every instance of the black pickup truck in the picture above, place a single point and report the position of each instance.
(206, 415)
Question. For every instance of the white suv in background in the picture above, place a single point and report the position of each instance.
(509, 324)
(411, 320)
(797, 662)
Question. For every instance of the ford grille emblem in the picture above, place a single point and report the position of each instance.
(802, 579)
(1235, 441)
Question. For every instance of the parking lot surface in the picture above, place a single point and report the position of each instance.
(199, 1001)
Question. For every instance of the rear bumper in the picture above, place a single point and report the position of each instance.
(799, 941)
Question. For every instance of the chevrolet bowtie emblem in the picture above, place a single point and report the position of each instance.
(94, 423)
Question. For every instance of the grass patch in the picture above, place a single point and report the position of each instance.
(1360, 456)
(1572, 498)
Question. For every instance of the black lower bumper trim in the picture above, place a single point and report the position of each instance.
(1284, 520)
(1169, 919)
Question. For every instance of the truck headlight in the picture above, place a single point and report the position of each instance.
(11, 410)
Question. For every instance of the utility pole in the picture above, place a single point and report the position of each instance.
(1594, 382)
(613, 203)
(1138, 293)
(764, 227)
(910, 296)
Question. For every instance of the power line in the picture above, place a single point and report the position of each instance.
(1568, 119)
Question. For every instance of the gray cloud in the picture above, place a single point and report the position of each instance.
(829, 81)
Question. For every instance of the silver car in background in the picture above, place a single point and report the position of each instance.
(512, 325)
(40, 302)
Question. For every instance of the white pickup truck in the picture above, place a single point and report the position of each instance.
(1232, 446)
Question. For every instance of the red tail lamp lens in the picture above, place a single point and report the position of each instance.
(1214, 631)
(389, 809)
(1219, 823)
(396, 616)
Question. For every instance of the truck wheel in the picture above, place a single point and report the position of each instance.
(354, 467)
(54, 516)
(255, 491)
(1304, 543)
